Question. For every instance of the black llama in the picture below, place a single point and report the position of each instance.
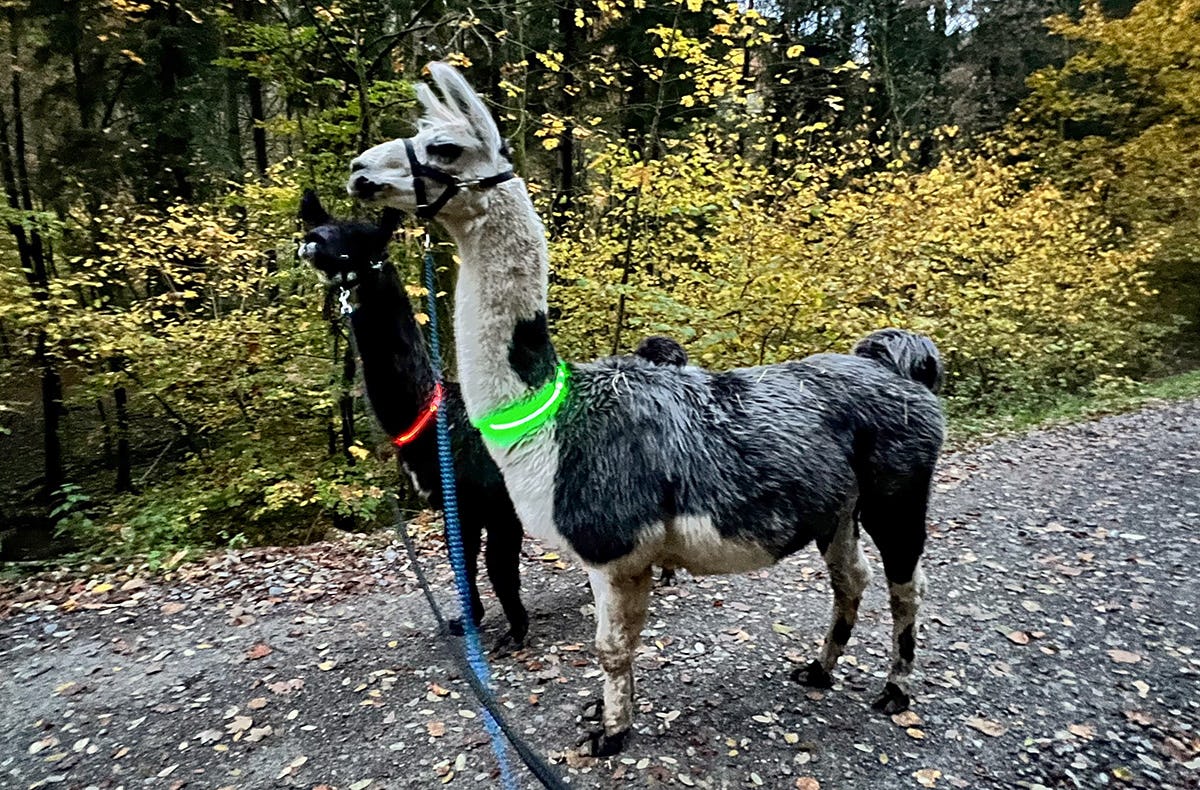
(352, 256)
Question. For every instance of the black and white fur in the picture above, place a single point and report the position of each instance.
(399, 382)
(717, 472)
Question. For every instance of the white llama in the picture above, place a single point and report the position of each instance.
(629, 464)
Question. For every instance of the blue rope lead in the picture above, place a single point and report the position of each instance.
(458, 559)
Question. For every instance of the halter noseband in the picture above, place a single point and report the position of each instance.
(453, 185)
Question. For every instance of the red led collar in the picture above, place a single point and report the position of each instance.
(435, 402)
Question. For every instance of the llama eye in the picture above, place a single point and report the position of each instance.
(445, 151)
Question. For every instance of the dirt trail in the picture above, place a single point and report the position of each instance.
(1061, 648)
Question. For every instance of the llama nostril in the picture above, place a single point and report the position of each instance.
(365, 188)
(357, 165)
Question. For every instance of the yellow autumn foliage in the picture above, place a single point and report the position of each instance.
(1121, 120)
(1025, 289)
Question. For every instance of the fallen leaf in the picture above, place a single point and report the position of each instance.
(292, 766)
(211, 735)
(256, 734)
(1143, 688)
(906, 718)
(69, 689)
(987, 726)
(913, 732)
(258, 703)
(1085, 731)
(361, 784)
(261, 650)
(239, 724)
(1018, 637)
(1124, 656)
(103, 587)
(44, 743)
(173, 607)
(285, 686)
(928, 776)
(1139, 717)
(325, 666)
(436, 728)
(807, 783)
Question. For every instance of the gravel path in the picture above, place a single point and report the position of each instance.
(1060, 649)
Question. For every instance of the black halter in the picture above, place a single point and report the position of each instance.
(453, 185)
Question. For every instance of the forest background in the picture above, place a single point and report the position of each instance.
(760, 180)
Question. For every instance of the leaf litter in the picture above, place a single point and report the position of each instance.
(1021, 606)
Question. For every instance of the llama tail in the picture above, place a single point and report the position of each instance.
(908, 354)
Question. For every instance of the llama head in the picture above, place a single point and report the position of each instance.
(457, 143)
(344, 253)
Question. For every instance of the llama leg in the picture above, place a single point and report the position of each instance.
(503, 558)
(620, 615)
(472, 537)
(905, 599)
(897, 525)
(848, 576)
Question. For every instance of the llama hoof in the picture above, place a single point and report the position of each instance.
(599, 744)
(593, 711)
(509, 641)
(518, 631)
(892, 700)
(455, 625)
(813, 676)
(667, 578)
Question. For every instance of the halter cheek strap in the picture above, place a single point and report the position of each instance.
(453, 185)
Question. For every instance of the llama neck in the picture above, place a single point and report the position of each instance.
(395, 363)
(501, 334)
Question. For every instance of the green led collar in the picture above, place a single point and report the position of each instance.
(510, 423)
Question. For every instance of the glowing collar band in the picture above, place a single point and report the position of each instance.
(513, 422)
(435, 402)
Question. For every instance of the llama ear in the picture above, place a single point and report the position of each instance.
(389, 220)
(312, 213)
(463, 97)
(434, 107)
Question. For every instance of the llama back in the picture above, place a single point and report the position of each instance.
(907, 354)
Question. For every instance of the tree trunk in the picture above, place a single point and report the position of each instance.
(124, 462)
(34, 264)
(565, 200)
(257, 116)
(233, 125)
(52, 411)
